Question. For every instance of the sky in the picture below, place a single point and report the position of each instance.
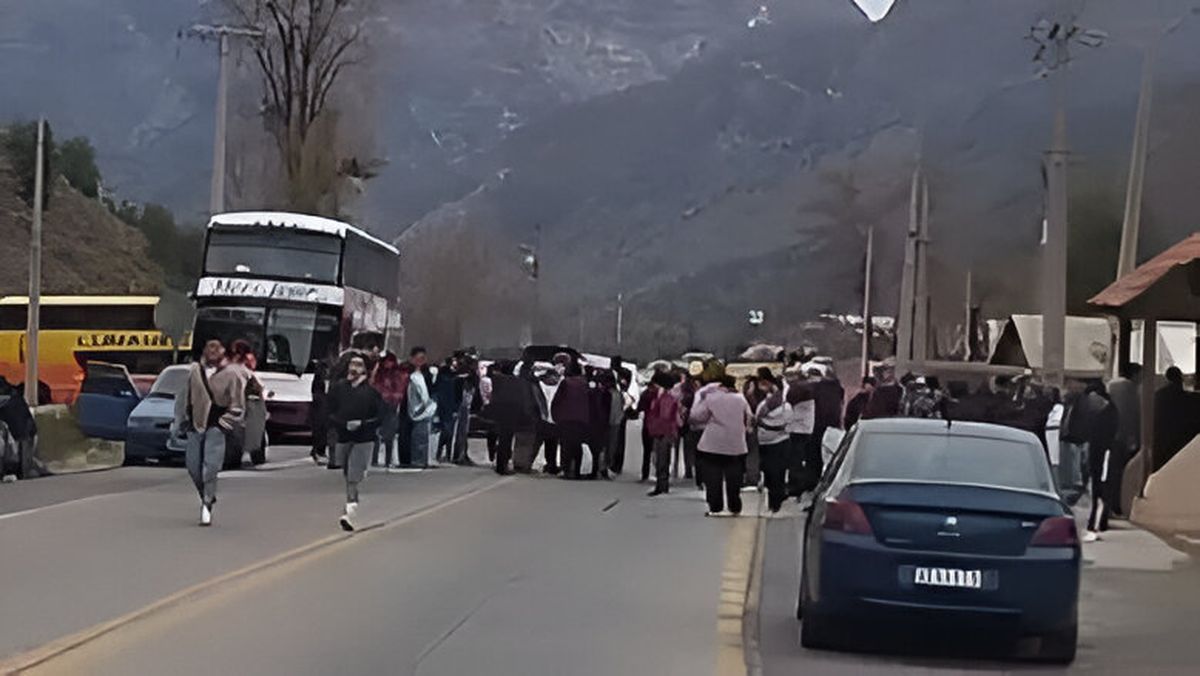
(875, 9)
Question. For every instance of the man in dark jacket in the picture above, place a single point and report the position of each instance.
(1175, 418)
(355, 412)
(511, 410)
(571, 411)
(1102, 423)
(858, 403)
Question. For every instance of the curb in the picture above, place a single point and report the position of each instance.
(751, 616)
(737, 643)
(30, 659)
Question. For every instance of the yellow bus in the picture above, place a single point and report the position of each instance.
(77, 329)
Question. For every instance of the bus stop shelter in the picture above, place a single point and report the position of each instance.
(1165, 288)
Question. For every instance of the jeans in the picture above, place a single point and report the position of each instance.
(422, 430)
(1071, 459)
(353, 457)
(722, 476)
(691, 441)
(205, 455)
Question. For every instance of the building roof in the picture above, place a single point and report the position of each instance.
(1160, 288)
(83, 300)
(299, 221)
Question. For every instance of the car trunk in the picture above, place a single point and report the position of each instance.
(932, 517)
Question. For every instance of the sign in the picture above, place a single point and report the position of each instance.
(124, 339)
(264, 288)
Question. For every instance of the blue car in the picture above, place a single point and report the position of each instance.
(941, 528)
(148, 431)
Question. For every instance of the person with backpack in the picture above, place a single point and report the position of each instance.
(355, 412)
(210, 407)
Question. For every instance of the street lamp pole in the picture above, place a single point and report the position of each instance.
(35, 271)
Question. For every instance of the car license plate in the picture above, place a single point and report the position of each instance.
(948, 577)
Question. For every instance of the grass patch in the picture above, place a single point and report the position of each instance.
(62, 446)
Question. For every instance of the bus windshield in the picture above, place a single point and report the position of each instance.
(285, 339)
(279, 253)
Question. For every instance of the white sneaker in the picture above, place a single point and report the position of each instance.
(347, 520)
(1091, 536)
(205, 515)
(723, 514)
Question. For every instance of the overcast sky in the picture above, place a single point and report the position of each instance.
(875, 9)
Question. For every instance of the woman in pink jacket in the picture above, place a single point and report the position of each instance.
(721, 454)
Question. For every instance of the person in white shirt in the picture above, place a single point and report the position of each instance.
(803, 419)
(774, 444)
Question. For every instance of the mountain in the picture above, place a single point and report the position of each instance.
(699, 157)
(85, 249)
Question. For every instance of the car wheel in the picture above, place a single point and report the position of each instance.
(1060, 647)
(813, 633)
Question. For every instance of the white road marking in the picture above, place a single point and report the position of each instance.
(35, 510)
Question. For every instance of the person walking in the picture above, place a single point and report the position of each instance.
(547, 431)
(721, 453)
(1123, 391)
(525, 430)
(662, 426)
(355, 411)
(828, 399)
(572, 413)
(421, 410)
(774, 445)
(250, 435)
(212, 404)
(391, 382)
(1102, 430)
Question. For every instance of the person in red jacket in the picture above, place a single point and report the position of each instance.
(662, 424)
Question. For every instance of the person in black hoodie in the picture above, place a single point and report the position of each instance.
(355, 411)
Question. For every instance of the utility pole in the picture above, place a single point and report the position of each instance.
(221, 34)
(1131, 225)
(969, 319)
(908, 288)
(620, 318)
(921, 298)
(867, 323)
(1053, 40)
(35, 271)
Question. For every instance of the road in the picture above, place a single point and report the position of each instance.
(459, 572)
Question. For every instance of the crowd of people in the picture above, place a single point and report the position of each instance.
(372, 410)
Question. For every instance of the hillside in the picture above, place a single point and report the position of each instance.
(85, 248)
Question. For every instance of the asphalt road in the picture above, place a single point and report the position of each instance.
(460, 572)
(466, 572)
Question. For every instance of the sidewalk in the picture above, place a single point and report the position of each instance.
(1126, 547)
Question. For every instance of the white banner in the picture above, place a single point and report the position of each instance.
(228, 287)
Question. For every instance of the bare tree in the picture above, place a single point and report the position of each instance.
(307, 47)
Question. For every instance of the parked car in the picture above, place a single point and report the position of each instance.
(943, 526)
(106, 398)
(148, 431)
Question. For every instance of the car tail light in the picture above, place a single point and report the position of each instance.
(1057, 531)
(846, 516)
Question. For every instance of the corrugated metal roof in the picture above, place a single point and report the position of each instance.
(1134, 284)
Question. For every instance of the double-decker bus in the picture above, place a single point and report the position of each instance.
(299, 289)
(78, 329)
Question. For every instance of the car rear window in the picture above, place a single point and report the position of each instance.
(943, 458)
